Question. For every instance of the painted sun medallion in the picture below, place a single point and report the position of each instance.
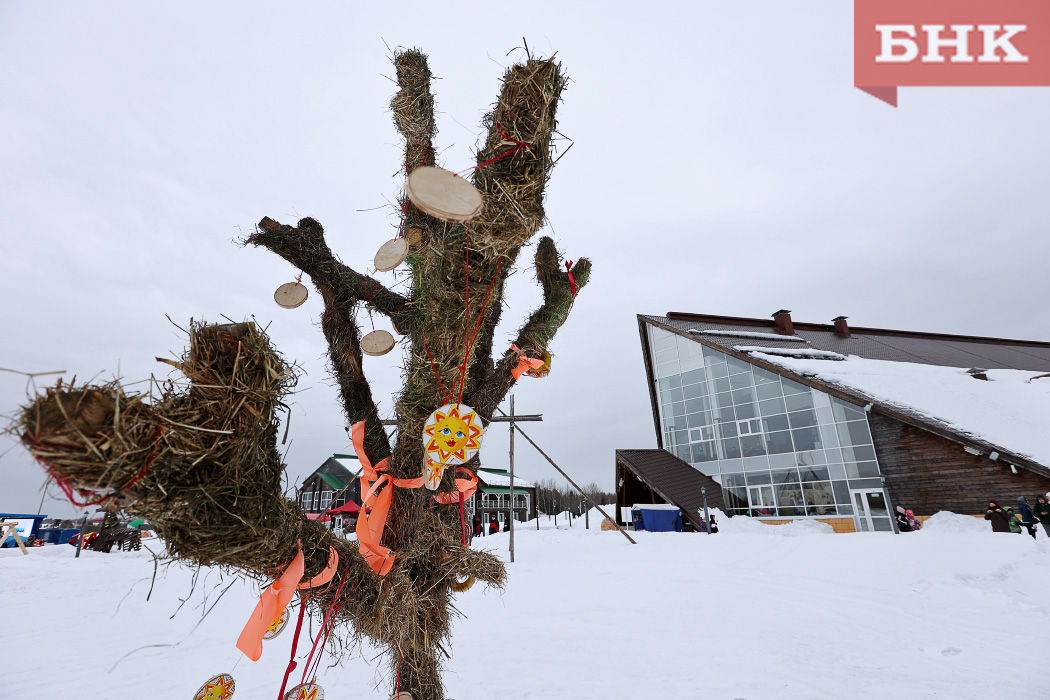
(306, 691)
(278, 625)
(452, 435)
(218, 687)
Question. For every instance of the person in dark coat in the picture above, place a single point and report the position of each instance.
(902, 520)
(478, 530)
(713, 525)
(493, 527)
(1042, 513)
(997, 517)
(914, 524)
(1024, 513)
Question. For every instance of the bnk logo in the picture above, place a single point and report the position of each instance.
(996, 43)
(949, 42)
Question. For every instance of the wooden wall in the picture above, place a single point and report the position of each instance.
(928, 473)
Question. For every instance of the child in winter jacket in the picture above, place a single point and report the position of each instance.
(913, 522)
(1013, 520)
(902, 520)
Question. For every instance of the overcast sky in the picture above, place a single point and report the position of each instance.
(723, 163)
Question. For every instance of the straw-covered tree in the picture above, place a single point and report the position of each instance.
(201, 463)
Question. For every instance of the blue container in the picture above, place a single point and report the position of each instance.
(661, 520)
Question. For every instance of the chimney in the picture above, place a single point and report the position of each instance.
(978, 373)
(841, 329)
(782, 322)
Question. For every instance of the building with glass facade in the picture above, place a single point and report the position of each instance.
(782, 445)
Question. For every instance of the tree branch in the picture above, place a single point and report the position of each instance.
(535, 336)
(413, 108)
(304, 247)
(340, 287)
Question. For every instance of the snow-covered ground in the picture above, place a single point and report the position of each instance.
(755, 612)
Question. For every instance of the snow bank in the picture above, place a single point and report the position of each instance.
(945, 521)
(743, 525)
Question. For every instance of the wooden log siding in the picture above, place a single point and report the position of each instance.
(928, 473)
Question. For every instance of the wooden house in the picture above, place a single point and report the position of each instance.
(492, 499)
(332, 485)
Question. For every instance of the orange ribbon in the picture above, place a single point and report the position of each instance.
(275, 599)
(375, 504)
(467, 487)
(524, 363)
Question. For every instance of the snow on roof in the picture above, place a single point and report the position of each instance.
(748, 334)
(351, 464)
(502, 479)
(792, 352)
(1008, 411)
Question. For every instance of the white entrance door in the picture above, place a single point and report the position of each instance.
(761, 498)
(870, 512)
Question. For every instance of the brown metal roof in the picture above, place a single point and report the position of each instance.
(674, 480)
(876, 343)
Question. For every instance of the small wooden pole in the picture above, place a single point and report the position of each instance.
(512, 478)
(574, 485)
(80, 540)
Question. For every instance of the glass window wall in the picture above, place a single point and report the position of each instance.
(778, 447)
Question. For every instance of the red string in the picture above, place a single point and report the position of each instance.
(481, 314)
(295, 645)
(462, 520)
(572, 282)
(503, 137)
(466, 350)
(325, 624)
(66, 489)
(397, 682)
(434, 367)
(472, 335)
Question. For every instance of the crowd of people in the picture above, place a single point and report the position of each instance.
(906, 520)
(1024, 519)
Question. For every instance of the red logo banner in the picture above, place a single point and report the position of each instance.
(949, 42)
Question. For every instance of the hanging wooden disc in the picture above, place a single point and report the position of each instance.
(443, 195)
(414, 236)
(291, 295)
(391, 254)
(218, 687)
(306, 691)
(377, 343)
